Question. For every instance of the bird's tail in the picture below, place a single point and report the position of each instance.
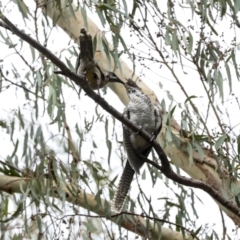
(123, 187)
(86, 44)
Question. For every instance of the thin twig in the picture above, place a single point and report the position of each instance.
(20, 86)
(223, 224)
(70, 140)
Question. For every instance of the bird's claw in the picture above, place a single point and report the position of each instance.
(153, 137)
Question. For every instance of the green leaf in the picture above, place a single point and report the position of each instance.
(33, 53)
(100, 14)
(20, 118)
(189, 98)
(169, 134)
(39, 79)
(235, 63)
(167, 37)
(237, 5)
(169, 96)
(198, 230)
(15, 149)
(201, 138)
(190, 153)
(22, 8)
(90, 227)
(55, 18)
(224, 7)
(190, 39)
(219, 82)
(202, 59)
(51, 100)
(84, 15)
(94, 144)
(125, 7)
(69, 63)
(39, 222)
(114, 53)
(109, 146)
(25, 144)
(70, 7)
(8, 169)
(172, 111)
(220, 141)
(229, 75)
(11, 45)
(144, 175)
(172, 204)
(238, 142)
(208, 23)
(211, 85)
(19, 210)
(200, 151)
(94, 42)
(175, 41)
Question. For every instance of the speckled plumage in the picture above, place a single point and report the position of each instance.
(143, 113)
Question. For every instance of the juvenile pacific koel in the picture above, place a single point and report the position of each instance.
(144, 114)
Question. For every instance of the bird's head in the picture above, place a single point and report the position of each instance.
(112, 77)
(130, 85)
(133, 91)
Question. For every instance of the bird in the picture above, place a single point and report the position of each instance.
(86, 65)
(144, 114)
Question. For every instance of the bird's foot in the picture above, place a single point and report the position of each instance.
(152, 138)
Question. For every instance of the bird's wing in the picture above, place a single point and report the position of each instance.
(133, 165)
(158, 120)
(100, 75)
(133, 156)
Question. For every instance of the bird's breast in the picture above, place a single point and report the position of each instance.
(145, 120)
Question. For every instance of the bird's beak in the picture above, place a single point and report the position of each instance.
(112, 77)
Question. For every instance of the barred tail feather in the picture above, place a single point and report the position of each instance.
(123, 188)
